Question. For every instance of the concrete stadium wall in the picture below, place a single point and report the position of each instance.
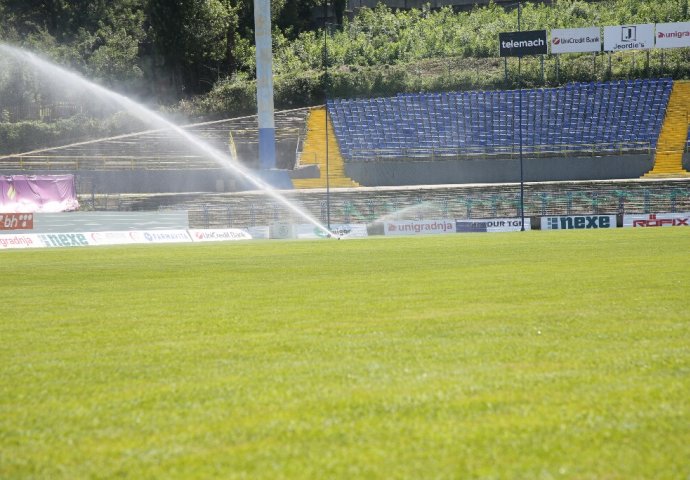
(158, 181)
(148, 181)
(384, 174)
(367, 204)
(71, 222)
(442, 172)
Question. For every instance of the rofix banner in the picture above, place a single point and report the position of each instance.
(629, 37)
(492, 225)
(578, 222)
(657, 220)
(573, 40)
(673, 35)
(419, 227)
(519, 44)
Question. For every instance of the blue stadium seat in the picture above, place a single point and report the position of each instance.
(575, 117)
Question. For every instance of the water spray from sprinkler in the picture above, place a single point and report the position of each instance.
(152, 118)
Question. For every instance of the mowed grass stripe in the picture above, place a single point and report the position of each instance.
(535, 355)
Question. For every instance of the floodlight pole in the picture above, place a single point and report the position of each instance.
(325, 106)
(522, 176)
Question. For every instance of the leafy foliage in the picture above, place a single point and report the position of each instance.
(197, 56)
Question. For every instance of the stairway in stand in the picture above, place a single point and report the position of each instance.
(668, 161)
(314, 151)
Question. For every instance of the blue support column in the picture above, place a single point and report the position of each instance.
(264, 84)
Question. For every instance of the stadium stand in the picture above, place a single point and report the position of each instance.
(668, 159)
(614, 117)
(314, 152)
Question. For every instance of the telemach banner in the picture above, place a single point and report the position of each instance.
(519, 44)
(629, 37)
(574, 40)
(673, 35)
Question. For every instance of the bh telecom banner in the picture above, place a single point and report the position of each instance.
(629, 37)
(16, 221)
(657, 220)
(573, 40)
(578, 222)
(519, 44)
(673, 35)
(419, 227)
(492, 225)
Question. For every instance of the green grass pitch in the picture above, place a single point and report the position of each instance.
(521, 355)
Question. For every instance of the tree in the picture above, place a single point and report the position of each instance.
(191, 38)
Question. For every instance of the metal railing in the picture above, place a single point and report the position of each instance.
(497, 151)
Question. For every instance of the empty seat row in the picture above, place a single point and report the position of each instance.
(598, 116)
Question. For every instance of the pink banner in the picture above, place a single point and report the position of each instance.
(38, 193)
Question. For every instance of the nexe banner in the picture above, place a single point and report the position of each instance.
(673, 35)
(578, 222)
(629, 37)
(519, 44)
(572, 40)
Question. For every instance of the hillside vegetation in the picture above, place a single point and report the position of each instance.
(196, 58)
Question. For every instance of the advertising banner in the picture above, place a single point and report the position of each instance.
(657, 220)
(350, 230)
(259, 232)
(160, 236)
(629, 37)
(219, 235)
(16, 221)
(27, 240)
(492, 225)
(578, 222)
(519, 44)
(281, 231)
(419, 227)
(572, 40)
(56, 240)
(111, 238)
(37, 193)
(673, 35)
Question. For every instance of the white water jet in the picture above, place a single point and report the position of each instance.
(74, 80)
(416, 210)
